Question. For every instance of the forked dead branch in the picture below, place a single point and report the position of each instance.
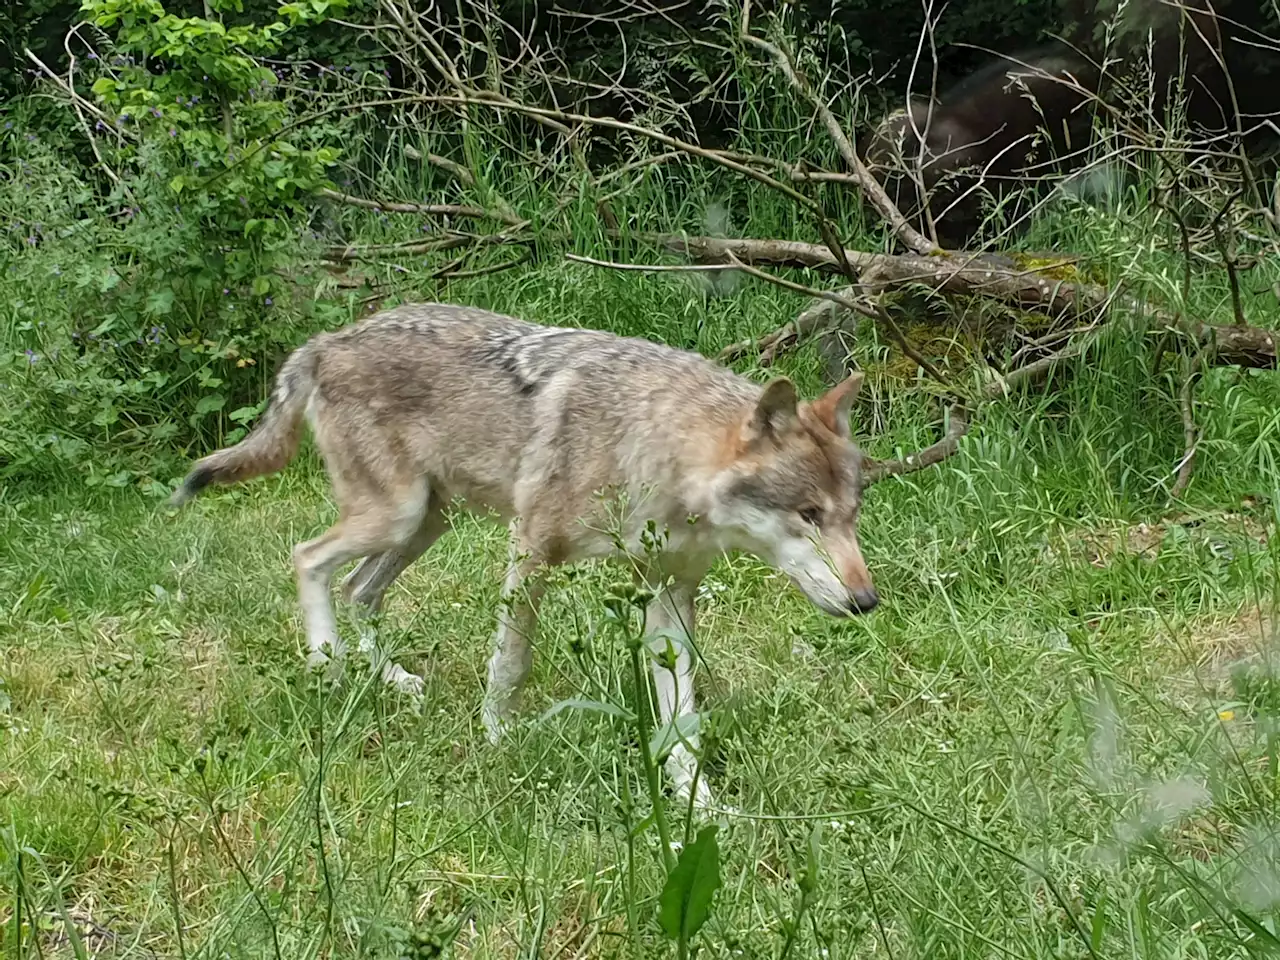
(1191, 190)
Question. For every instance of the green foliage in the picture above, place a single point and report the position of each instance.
(178, 282)
(685, 901)
(209, 124)
(1020, 697)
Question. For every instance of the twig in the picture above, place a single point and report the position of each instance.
(819, 312)
(865, 307)
(873, 471)
(870, 187)
(1229, 261)
(1186, 402)
(653, 267)
(882, 315)
(429, 209)
(70, 92)
(562, 116)
(448, 273)
(78, 105)
(450, 241)
(460, 173)
(352, 253)
(959, 416)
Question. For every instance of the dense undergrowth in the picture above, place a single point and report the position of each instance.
(1056, 738)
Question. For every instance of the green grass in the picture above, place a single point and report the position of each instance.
(1055, 738)
(1041, 744)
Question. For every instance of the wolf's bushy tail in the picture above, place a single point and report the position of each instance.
(271, 444)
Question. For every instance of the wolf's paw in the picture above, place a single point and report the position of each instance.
(702, 801)
(407, 683)
(497, 717)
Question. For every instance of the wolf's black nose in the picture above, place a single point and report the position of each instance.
(863, 600)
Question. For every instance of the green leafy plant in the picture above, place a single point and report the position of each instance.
(685, 902)
(176, 275)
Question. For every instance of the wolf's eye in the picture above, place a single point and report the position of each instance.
(812, 515)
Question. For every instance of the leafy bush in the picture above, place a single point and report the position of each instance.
(176, 269)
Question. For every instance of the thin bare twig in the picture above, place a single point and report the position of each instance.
(653, 267)
(1186, 404)
(79, 105)
(448, 273)
(873, 471)
(868, 184)
(428, 209)
(450, 241)
(459, 172)
(819, 312)
(71, 93)
(959, 417)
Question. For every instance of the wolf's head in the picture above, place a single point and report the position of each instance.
(791, 491)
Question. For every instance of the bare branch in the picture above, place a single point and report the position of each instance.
(429, 209)
(457, 170)
(449, 241)
(868, 184)
(959, 418)
(652, 267)
(820, 312)
(873, 471)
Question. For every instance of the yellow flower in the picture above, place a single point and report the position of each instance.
(1226, 716)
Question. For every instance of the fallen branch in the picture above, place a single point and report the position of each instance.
(449, 271)
(961, 409)
(820, 314)
(866, 307)
(959, 417)
(651, 267)
(452, 167)
(354, 252)
(987, 275)
(873, 471)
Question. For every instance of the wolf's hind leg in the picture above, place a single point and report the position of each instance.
(367, 584)
(367, 526)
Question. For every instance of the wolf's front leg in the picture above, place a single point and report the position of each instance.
(669, 627)
(512, 656)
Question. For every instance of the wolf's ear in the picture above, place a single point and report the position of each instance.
(775, 410)
(833, 407)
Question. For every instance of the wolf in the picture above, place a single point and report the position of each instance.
(427, 405)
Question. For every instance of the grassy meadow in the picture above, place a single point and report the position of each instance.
(1056, 737)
